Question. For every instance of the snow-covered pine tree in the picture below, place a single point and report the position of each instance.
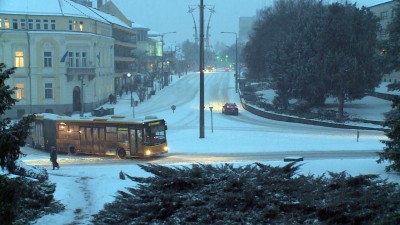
(12, 135)
(391, 152)
(391, 48)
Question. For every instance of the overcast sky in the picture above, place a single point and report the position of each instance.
(172, 15)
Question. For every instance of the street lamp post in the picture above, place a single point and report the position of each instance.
(162, 55)
(236, 58)
(82, 103)
(132, 103)
(212, 125)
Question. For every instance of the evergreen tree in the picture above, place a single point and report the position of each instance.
(350, 54)
(12, 135)
(311, 51)
(391, 152)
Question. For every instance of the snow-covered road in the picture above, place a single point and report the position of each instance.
(85, 183)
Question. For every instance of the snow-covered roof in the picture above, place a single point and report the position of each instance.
(153, 33)
(110, 18)
(139, 26)
(376, 2)
(65, 8)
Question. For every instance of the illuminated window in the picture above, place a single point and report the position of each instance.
(37, 24)
(1, 23)
(53, 24)
(20, 92)
(19, 59)
(47, 59)
(15, 23)
(75, 25)
(48, 90)
(30, 24)
(6, 24)
(81, 26)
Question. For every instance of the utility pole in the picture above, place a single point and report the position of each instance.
(201, 69)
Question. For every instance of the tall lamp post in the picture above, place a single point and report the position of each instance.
(82, 103)
(162, 55)
(236, 58)
(132, 103)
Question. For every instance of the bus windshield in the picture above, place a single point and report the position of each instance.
(155, 135)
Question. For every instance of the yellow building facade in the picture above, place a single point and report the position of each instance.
(64, 57)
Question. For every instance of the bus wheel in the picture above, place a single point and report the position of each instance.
(121, 153)
(71, 150)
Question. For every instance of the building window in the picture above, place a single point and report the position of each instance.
(38, 25)
(81, 25)
(48, 90)
(84, 59)
(47, 59)
(70, 25)
(20, 92)
(384, 14)
(46, 24)
(70, 59)
(19, 59)
(6, 24)
(15, 23)
(22, 23)
(77, 59)
(53, 24)
(75, 25)
(30, 24)
(1, 23)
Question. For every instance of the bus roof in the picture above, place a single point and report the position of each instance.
(106, 119)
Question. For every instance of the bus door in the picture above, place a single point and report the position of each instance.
(136, 141)
(92, 140)
(101, 139)
(38, 137)
(86, 140)
(98, 140)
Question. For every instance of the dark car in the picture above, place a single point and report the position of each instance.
(230, 108)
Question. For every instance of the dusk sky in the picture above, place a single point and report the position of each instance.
(165, 16)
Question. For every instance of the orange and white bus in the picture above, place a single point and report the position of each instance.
(110, 135)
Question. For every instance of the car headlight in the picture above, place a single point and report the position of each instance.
(165, 148)
(147, 152)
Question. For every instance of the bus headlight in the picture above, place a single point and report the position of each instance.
(147, 152)
(165, 148)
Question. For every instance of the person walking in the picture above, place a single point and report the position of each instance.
(53, 157)
(111, 98)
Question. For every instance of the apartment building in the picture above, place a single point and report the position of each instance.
(385, 12)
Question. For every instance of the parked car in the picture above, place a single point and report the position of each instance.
(230, 108)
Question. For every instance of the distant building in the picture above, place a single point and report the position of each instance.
(64, 53)
(385, 13)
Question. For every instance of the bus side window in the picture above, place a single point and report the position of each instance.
(123, 135)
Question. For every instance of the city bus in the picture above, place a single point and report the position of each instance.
(105, 136)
